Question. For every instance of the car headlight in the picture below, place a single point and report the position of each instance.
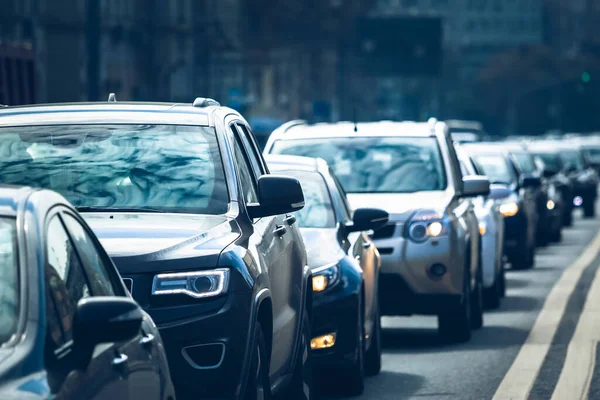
(198, 284)
(482, 228)
(509, 209)
(550, 204)
(325, 277)
(427, 224)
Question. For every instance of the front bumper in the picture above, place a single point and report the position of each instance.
(206, 352)
(516, 229)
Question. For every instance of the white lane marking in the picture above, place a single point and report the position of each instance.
(576, 374)
(519, 379)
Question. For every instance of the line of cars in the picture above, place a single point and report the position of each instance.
(153, 250)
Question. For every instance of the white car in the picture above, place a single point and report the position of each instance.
(491, 228)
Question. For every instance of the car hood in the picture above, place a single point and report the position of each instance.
(322, 246)
(135, 239)
(401, 206)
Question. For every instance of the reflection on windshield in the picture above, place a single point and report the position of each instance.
(166, 167)
(378, 164)
(495, 168)
(573, 158)
(550, 160)
(525, 163)
(318, 210)
(8, 279)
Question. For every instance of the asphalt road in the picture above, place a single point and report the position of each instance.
(417, 364)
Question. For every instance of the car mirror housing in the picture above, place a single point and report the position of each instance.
(277, 195)
(498, 192)
(104, 320)
(476, 185)
(365, 219)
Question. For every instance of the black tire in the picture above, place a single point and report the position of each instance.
(502, 279)
(455, 325)
(354, 374)
(373, 355)
(589, 209)
(526, 260)
(556, 235)
(477, 303)
(301, 386)
(258, 386)
(492, 295)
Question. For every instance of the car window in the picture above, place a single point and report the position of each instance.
(246, 176)
(495, 168)
(167, 167)
(550, 160)
(250, 143)
(9, 279)
(525, 162)
(574, 158)
(376, 164)
(343, 200)
(318, 210)
(97, 268)
(66, 283)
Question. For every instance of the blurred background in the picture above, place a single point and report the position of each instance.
(526, 67)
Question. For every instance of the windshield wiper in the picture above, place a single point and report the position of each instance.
(118, 209)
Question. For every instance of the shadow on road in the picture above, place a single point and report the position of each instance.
(516, 283)
(513, 303)
(387, 385)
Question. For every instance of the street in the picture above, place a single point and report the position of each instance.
(416, 364)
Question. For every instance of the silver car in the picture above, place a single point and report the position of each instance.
(431, 249)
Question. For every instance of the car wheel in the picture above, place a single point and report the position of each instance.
(502, 279)
(455, 325)
(373, 356)
(589, 209)
(491, 296)
(477, 303)
(258, 386)
(301, 386)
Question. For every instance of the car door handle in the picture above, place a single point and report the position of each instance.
(147, 340)
(280, 230)
(290, 219)
(120, 360)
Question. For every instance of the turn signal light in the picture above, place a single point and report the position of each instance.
(323, 342)
(482, 228)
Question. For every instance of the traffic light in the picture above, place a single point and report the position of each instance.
(400, 46)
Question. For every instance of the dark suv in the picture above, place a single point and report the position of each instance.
(202, 234)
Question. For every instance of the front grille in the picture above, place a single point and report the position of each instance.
(385, 232)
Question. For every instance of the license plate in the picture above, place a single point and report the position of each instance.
(128, 284)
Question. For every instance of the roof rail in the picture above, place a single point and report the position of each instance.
(205, 102)
(112, 98)
(290, 124)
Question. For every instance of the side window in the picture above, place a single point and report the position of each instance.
(65, 283)
(96, 268)
(250, 142)
(463, 169)
(346, 209)
(246, 176)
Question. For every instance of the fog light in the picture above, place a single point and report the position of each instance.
(577, 201)
(319, 283)
(438, 270)
(550, 205)
(323, 342)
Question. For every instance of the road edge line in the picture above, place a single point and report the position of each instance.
(520, 377)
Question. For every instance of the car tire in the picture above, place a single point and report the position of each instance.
(258, 386)
(589, 209)
(354, 374)
(526, 260)
(373, 355)
(502, 279)
(477, 302)
(492, 295)
(301, 386)
(455, 325)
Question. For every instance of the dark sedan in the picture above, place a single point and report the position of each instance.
(68, 327)
(345, 266)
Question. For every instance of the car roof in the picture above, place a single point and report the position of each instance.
(363, 129)
(284, 162)
(11, 197)
(105, 112)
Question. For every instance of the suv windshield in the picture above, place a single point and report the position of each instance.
(376, 164)
(9, 282)
(550, 160)
(168, 168)
(572, 157)
(318, 210)
(525, 162)
(495, 168)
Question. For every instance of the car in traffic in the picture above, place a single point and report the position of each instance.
(590, 146)
(491, 228)
(431, 248)
(519, 209)
(561, 198)
(69, 328)
(346, 323)
(202, 234)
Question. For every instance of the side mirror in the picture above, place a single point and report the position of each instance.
(104, 320)
(476, 185)
(277, 195)
(365, 219)
(530, 181)
(498, 192)
(549, 173)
